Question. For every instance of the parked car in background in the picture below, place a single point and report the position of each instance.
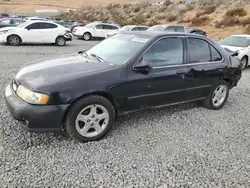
(10, 22)
(33, 18)
(66, 23)
(2, 15)
(197, 31)
(128, 28)
(76, 24)
(35, 32)
(168, 28)
(84, 93)
(240, 44)
(94, 30)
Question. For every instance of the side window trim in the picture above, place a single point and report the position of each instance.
(202, 63)
(184, 58)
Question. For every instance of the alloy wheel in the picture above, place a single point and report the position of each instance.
(61, 41)
(92, 120)
(14, 40)
(86, 36)
(219, 95)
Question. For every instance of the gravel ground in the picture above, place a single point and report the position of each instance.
(181, 146)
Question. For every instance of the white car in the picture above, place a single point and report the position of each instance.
(168, 28)
(94, 30)
(128, 28)
(36, 32)
(240, 44)
(34, 18)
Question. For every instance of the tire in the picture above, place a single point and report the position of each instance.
(244, 62)
(222, 93)
(14, 40)
(90, 119)
(60, 41)
(87, 36)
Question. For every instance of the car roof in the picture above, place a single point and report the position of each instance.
(43, 21)
(160, 34)
(165, 25)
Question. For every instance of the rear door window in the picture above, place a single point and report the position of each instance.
(198, 50)
(201, 51)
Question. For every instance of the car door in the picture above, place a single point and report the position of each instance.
(50, 32)
(32, 33)
(164, 83)
(205, 67)
(98, 31)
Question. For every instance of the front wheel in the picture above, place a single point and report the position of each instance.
(218, 96)
(90, 119)
(60, 41)
(14, 40)
(244, 62)
(86, 36)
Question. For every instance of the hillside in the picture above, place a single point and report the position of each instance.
(19, 6)
(218, 18)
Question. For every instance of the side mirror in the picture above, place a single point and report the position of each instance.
(143, 67)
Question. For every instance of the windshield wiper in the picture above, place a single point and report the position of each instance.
(97, 57)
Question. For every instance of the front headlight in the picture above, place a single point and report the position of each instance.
(31, 97)
(3, 32)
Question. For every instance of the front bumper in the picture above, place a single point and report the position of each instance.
(3, 38)
(35, 118)
(68, 37)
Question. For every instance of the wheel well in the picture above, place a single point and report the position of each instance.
(15, 35)
(230, 82)
(100, 93)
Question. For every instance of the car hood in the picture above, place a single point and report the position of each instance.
(44, 73)
(7, 28)
(232, 48)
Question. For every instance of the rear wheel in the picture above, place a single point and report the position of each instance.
(14, 40)
(60, 41)
(90, 119)
(218, 96)
(86, 36)
(244, 62)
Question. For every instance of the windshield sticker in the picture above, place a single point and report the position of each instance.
(142, 40)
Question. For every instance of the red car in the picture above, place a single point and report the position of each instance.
(2, 15)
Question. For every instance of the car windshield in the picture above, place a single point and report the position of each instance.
(119, 48)
(236, 41)
(157, 28)
(126, 28)
(90, 25)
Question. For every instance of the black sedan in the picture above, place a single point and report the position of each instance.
(85, 92)
(10, 22)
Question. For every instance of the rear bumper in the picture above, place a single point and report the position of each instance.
(35, 118)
